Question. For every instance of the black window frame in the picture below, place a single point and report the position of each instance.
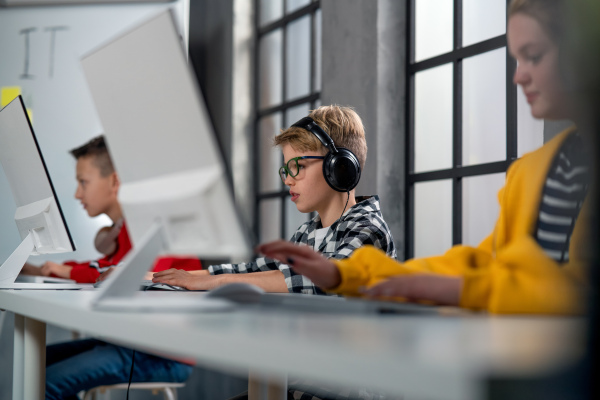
(457, 172)
(312, 99)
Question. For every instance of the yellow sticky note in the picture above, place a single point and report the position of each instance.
(30, 115)
(9, 93)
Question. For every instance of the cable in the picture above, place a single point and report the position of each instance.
(347, 200)
(130, 374)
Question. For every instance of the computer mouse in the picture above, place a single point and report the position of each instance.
(240, 292)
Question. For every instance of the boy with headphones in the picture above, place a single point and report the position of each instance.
(323, 157)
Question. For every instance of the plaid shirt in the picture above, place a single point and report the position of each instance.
(362, 224)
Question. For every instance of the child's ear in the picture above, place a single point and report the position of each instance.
(116, 182)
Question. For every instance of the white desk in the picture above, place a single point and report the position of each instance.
(433, 357)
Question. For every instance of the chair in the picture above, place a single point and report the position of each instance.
(168, 389)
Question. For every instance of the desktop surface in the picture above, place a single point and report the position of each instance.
(41, 279)
(424, 356)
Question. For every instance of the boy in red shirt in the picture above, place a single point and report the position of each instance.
(97, 190)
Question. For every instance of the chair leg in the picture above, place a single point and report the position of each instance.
(170, 393)
(90, 395)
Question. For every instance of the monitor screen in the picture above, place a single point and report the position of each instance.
(163, 144)
(39, 218)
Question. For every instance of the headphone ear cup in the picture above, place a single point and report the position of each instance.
(341, 170)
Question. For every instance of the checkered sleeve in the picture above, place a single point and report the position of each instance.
(355, 234)
(298, 283)
(260, 264)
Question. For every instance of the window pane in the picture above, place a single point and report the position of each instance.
(270, 157)
(433, 218)
(270, 220)
(298, 58)
(483, 20)
(294, 114)
(530, 131)
(318, 46)
(293, 218)
(484, 108)
(433, 119)
(293, 5)
(433, 28)
(480, 206)
(270, 69)
(270, 10)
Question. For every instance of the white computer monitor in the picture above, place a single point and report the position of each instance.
(173, 178)
(39, 218)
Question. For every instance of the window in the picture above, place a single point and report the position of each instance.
(466, 122)
(288, 76)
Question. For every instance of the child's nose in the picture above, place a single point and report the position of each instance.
(521, 75)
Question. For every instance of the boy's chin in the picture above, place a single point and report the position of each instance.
(303, 210)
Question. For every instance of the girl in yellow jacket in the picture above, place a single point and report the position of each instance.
(534, 260)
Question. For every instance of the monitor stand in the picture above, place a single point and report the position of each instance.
(14, 264)
(125, 279)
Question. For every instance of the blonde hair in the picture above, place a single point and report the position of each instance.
(341, 123)
(549, 13)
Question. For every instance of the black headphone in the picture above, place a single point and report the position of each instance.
(341, 168)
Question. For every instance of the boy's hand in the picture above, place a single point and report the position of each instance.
(105, 274)
(440, 289)
(30, 269)
(199, 280)
(60, 270)
(304, 260)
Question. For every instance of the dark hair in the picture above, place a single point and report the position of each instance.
(97, 149)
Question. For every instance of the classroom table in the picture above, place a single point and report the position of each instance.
(443, 356)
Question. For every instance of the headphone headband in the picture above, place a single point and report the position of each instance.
(310, 125)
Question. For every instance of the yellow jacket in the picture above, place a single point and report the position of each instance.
(508, 272)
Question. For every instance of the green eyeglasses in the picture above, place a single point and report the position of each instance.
(292, 168)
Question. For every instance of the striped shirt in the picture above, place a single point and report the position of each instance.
(563, 194)
(362, 224)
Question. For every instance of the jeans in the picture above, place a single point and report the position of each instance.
(84, 364)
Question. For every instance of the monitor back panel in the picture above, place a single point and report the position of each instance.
(20, 156)
(153, 115)
(156, 122)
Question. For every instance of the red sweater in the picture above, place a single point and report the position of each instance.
(88, 272)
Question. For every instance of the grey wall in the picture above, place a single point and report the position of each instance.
(364, 47)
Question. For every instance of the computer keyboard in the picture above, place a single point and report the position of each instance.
(149, 285)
